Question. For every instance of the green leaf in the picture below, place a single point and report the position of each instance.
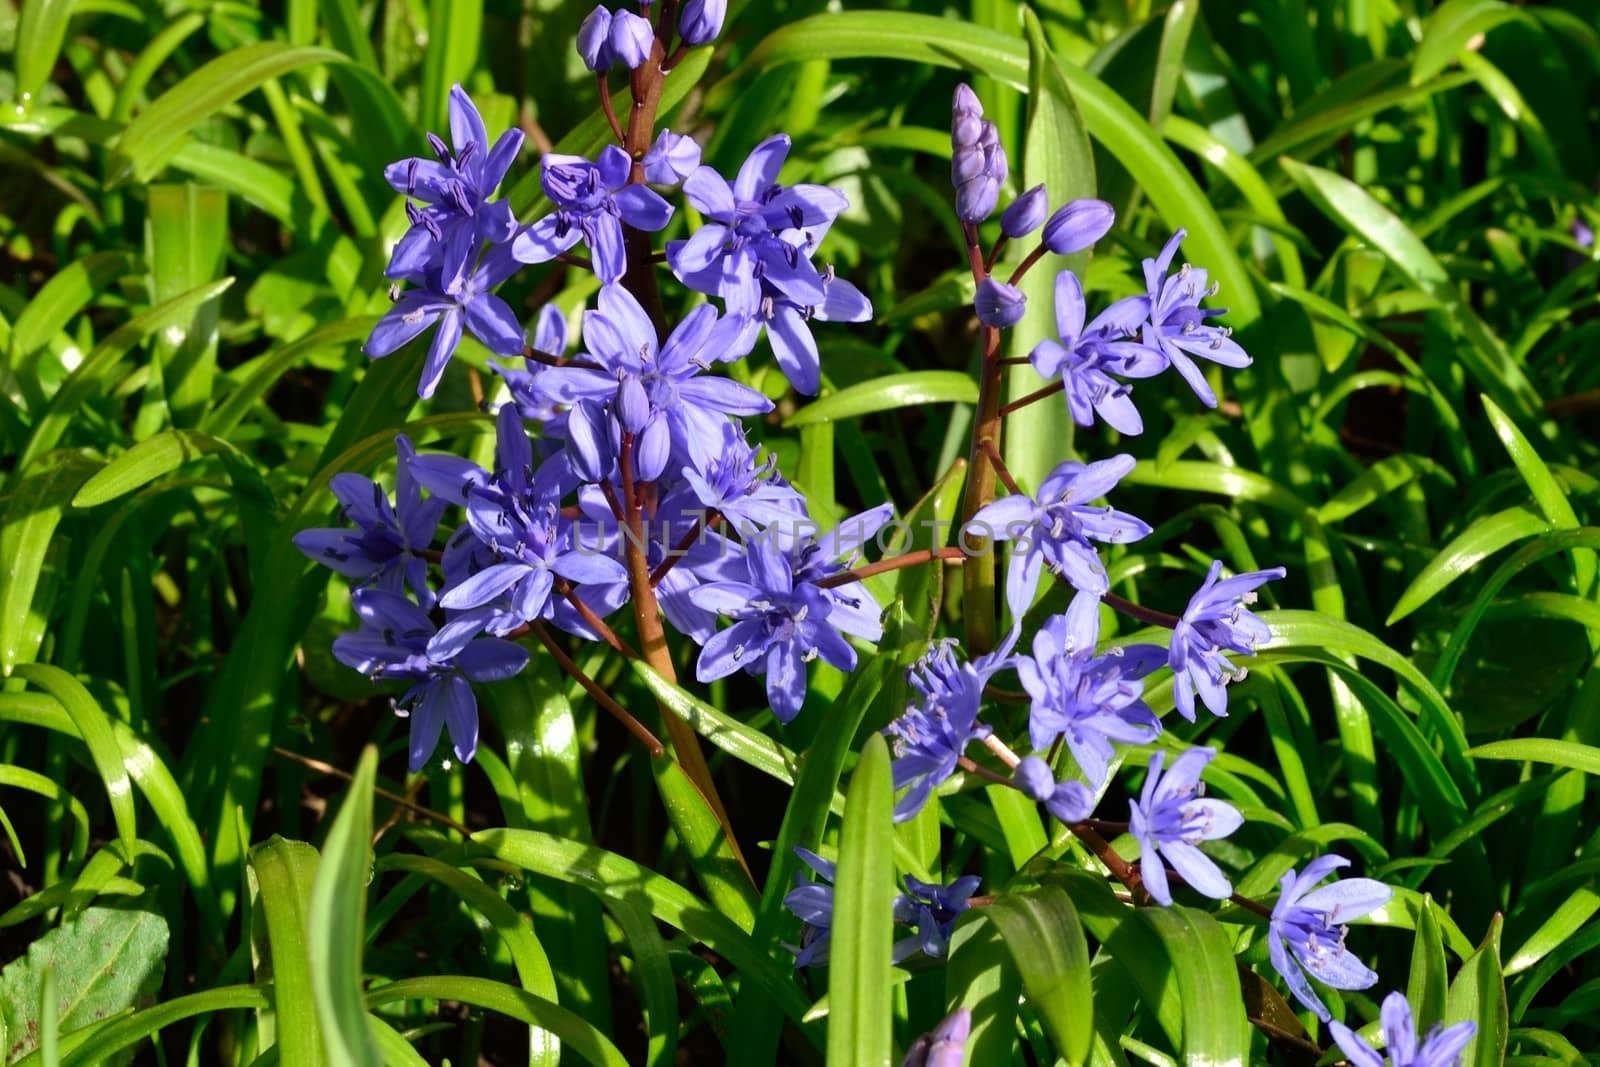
(1585, 758)
(68, 292)
(1547, 492)
(1042, 931)
(1555, 931)
(710, 853)
(1478, 995)
(527, 955)
(147, 461)
(573, 1032)
(94, 726)
(1484, 356)
(455, 34)
(1449, 28)
(338, 919)
(615, 877)
(281, 876)
(1483, 538)
(41, 31)
(861, 1020)
(38, 498)
(982, 978)
(105, 961)
(1057, 153)
(150, 140)
(1429, 981)
(1200, 969)
(890, 392)
(185, 235)
(96, 1044)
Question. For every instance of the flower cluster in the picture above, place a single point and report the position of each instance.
(624, 475)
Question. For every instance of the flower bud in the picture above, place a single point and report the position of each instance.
(1025, 213)
(701, 21)
(594, 40)
(1077, 225)
(633, 405)
(1071, 802)
(1034, 778)
(978, 161)
(976, 199)
(998, 304)
(943, 1046)
(631, 39)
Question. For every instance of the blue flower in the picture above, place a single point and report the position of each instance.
(1177, 328)
(783, 619)
(1171, 818)
(748, 494)
(632, 39)
(1086, 356)
(592, 202)
(943, 1046)
(1441, 1046)
(1217, 621)
(754, 251)
(672, 158)
(469, 304)
(812, 903)
(398, 640)
(594, 40)
(931, 909)
(978, 160)
(1068, 801)
(459, 218)
(1090, 701)
(1306, 933)
(935, 730)
(527, 543)
(385, 548)
(672, 409)
(1056, 529)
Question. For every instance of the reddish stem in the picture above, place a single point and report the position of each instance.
(601, 697)
(894, 563)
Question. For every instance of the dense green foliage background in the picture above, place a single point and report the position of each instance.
(194, 225)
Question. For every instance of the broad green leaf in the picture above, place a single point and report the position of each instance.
(1429, 981)
(281, 874)
(185, 235)
(1448, 30)
(1479, 995)
(41, 30)
(1483, 538)
(105, 961)
(150, 140)
(861, 1019)
(1201, 971)
(1056, 153)
(1042, 931)
(147, 461)
(981, 977)
(712, 856)
(891, 392)
(95, 1044)
(39, 496)
(1376, 482)
(338, 914)
(574, 1033)
(1547, 492)
(455, 35)
(95, 727)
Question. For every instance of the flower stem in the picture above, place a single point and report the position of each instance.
(601, 697)
(1038, 394)
(893, 563)
(1032, 258)
(609, 109)
(978, 770)
(696, 532)
(1143, 614)
(1002, 470)
(981, 604)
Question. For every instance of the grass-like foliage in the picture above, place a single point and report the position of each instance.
(419, 641)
